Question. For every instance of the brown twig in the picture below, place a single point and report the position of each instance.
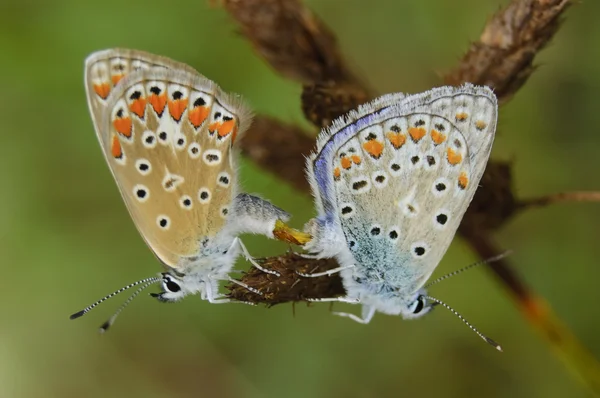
(523, 27)
(559, 198)
(280, 148)
(503, 56)
(541, 316)
(289, 286)
(291, 38)
(299, 45)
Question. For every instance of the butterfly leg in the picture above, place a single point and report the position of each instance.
(249, 258)
(219, 298)
(242, 284)
(366, 316)
(328, 272)
(348, 300)
(223, 300)
(310, 256)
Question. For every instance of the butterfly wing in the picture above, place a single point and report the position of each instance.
(398, 179)
(105, 69)
(167, 134)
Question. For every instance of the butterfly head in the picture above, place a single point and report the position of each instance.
(396, 303)
(418, 306)
(173, 287)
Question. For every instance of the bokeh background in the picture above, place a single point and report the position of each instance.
(66, 238)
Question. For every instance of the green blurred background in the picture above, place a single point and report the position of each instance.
(66, 238)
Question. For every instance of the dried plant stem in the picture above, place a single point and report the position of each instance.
(503, 56)
(300, 46)
(539, 313)
(578, 196)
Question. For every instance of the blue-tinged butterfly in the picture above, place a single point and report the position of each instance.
(392, 181)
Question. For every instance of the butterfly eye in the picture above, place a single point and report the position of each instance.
(417, 305)
(170, 285)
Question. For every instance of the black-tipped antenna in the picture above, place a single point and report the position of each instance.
(104, 327)
(476, 264)
(84, 311)
(473, 328)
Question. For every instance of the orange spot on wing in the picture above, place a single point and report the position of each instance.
(102, 90)
(463, 180)
(198, 115)
(480, 125)
(374, 148)
(453, 157)
(177, 107)
(336, 173)
(138, 107)
(213, 127)
(158, 103)
(115, 148)
(356, 159)
(461, 117)
(123, 126)
(437, 137)
(416, 133)
(346, 163)
(396, 139)
(116, 78)
(226, 128)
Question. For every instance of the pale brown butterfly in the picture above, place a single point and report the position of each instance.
(168, 135)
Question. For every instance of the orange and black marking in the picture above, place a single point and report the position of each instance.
(437, 137)
(396, 139)
(123, 124)
(102, 90)
(463, 180)
(118, 71)
(337, 173)
(227, 127)
(213, 127)
(177, 105)
(346, 162)
(461, 117)
(416, 133)
(158, 100)
(199, 113)
(356, 159)
(138, 104)
(454, 158)
(115, 148)
(373, 146)
(480, 125)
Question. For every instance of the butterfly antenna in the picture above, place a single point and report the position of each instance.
(468, 267)
(104, 327)
(473, 328)
(84, 311)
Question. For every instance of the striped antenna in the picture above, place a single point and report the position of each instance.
(112, 319)
(147, 282)
(473, 328)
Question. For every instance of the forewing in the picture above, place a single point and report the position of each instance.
(167, 136)
(105, 69)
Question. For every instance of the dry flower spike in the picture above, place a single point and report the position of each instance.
(299, 46)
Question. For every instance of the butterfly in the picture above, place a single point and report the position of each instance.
(169, 137)
(392, 181)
